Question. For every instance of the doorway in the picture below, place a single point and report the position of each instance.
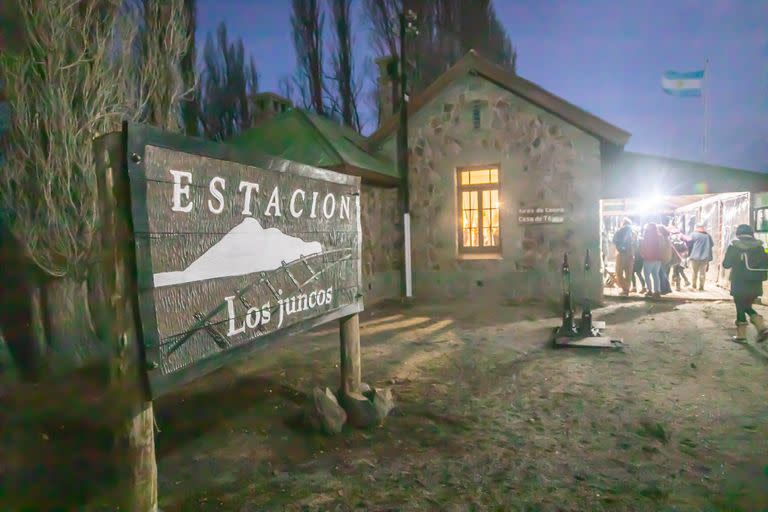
(719, 213)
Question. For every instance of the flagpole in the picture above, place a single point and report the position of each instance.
(705, 93)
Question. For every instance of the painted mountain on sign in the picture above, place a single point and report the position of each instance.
(246, 249)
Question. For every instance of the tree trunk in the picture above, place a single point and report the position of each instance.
(134, 454)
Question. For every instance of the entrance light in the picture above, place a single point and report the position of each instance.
(650, 204)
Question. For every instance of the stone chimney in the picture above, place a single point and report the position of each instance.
(266, 105)
(388, 89)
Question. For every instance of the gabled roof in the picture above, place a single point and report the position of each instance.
(313, 140)
(472, 62)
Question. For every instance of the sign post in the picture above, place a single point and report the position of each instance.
(210, 255)
(351, 375)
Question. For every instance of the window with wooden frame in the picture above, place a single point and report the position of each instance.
(479, 220)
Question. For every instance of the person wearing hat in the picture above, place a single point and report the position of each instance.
(748, 261)
(625, 242)
(700, 254)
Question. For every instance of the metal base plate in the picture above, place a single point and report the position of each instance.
(586, 341)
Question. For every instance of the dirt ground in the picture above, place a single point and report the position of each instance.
(489, 417)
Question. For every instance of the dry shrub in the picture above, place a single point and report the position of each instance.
(87, 66)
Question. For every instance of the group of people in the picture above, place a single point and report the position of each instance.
(649, 256)
(661, 248)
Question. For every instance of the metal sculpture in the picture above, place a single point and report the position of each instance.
(586, 332)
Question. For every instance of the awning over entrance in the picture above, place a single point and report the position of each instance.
(659, 205)
(635, 175)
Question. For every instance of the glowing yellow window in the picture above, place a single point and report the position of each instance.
(479, 228)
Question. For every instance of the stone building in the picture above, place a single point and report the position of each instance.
(504, 179)
(267, 105)
(488, 149)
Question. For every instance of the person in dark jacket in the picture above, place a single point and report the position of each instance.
(700, 255)
(747, 259)
(624, 240)
(637, 271)
(668, 260)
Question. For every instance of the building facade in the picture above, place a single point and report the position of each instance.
(502, 186)
(504, 179)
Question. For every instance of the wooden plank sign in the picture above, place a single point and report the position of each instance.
(233, 252)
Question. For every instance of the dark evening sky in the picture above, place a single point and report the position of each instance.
(605, 56)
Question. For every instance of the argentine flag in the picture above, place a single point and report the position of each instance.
(683, 84)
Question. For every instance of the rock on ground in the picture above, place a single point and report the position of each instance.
(325, 413)
(360, 411)
(383, 402)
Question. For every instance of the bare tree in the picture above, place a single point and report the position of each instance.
(343, 71)
(11, 27)
(165, 43)
(382, 15)
(307, 22)
(227, 84)
(286, 88)
(447, 30)
(190, 105)
(84, 68)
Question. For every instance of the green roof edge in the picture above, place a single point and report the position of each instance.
(319, 135)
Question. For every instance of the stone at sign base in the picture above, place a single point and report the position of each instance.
(383, 401)
(325, 413)
(361, 412)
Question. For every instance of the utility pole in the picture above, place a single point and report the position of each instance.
(407, 27)
(705, 94)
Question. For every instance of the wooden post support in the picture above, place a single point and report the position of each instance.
(349, 329)
(133, 426)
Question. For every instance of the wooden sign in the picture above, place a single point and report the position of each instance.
(233, 252)
(539, 215)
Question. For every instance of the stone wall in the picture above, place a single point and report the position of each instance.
(382, 243)
(543, 161)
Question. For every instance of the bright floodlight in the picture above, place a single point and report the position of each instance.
(650, 204)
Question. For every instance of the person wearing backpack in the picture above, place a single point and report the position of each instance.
(747, 259)
(624, 240)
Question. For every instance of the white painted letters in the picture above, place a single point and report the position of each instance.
(344, 206)
(294, 212)
(274, 204)
(233, 330)
(328, 214)
(248, 186)
(183, 201)
(180, 191)
(217, 194)
(266, 313)
(253, 317)
(313, 213)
